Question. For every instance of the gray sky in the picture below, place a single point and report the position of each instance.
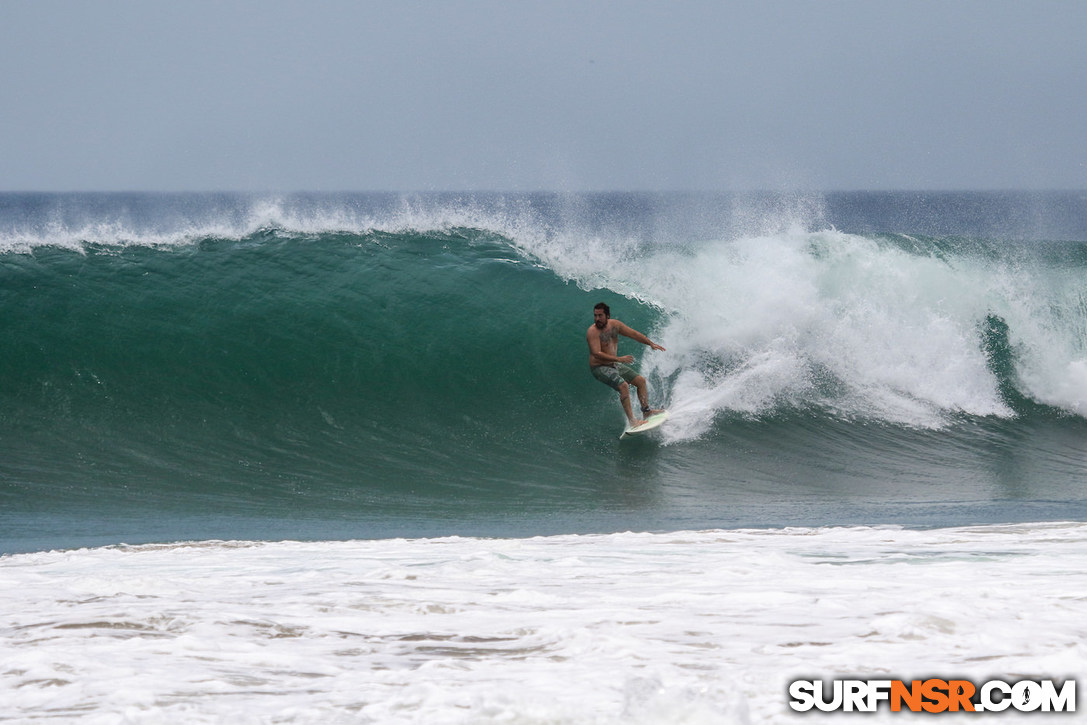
(521, 95)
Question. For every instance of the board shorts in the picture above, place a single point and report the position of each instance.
(614, 375)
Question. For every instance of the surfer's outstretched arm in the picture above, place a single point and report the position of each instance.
(628, 331)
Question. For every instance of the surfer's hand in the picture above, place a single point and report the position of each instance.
(626, 359)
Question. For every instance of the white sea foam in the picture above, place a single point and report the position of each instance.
(784, 313)
(692, 627)
(825, 319)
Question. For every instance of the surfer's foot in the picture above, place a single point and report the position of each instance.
(647, 411)
(638, 423)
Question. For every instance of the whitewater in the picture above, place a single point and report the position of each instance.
(338, 458)
(684, 627)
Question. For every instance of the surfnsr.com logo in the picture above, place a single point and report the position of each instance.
(933, 695)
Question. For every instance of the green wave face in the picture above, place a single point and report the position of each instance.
(374, 360)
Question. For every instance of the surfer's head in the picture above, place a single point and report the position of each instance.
(601, 314)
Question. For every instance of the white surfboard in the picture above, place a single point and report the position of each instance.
(650, 423)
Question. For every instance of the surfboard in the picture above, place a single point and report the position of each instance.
(650, 423)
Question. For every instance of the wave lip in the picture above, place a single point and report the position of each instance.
(77, 221)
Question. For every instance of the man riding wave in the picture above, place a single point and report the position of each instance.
(611, 369)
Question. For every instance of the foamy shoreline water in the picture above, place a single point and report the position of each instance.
(657, 628)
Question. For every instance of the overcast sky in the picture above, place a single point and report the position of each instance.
(521, 95)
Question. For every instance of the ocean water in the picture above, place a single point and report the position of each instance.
(339, 457)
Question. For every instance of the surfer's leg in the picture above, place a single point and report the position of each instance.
(643, 395)
(624, 398)
(615, 378)
(631, 376)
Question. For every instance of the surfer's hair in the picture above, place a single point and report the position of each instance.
(602, 306)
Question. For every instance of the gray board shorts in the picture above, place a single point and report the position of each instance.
(614, 375)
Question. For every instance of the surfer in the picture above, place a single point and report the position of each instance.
(613, 370)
